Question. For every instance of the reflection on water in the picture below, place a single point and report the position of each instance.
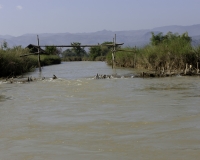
(78, 117)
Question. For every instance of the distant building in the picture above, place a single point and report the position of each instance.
(34, 49)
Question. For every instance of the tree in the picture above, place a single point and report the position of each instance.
(106, 49)
(94, 52)
(156, 39)
(185, 37)
(52, 50)
(79, 51)
(68, 53)
(4, 45)
(98, 51)
(169, 38)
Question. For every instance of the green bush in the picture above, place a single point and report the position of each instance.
(171, 51)
(11, 64)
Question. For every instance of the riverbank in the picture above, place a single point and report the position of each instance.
(11, 64)
(156, 65)
(168, 74)
(165, 54)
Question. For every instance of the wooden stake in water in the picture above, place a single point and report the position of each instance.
(39, 64)
(113, 53)
(135, 58)
(186, 68)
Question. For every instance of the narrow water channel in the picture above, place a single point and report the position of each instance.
(78, 117)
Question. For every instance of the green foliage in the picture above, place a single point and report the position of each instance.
(125, 58)
(4, 45)
(11, 64)
(76, 53)
(99, 52)
(50, 50)
(68, 53)
(156, 39)
(169, 38)
(171, 51)
(79, 51)
(46, 59)
(94, 52)
(73, 58)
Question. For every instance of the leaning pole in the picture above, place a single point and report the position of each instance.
(39, 64)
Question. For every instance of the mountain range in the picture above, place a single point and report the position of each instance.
(130, 38)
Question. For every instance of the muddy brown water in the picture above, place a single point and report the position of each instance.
(77, 117)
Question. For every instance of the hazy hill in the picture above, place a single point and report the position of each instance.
(129, 38)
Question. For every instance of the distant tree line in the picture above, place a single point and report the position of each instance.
(171, 51)
(79, 53)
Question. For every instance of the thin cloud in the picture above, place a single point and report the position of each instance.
(1, 7)
(19, 7)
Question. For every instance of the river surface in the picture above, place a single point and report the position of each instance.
(77, 117)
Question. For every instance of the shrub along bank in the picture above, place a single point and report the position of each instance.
(11, 64)
(165, 52)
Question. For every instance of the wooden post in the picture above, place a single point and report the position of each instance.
(101, 53)
(135, 58)
(114, 42)
(197, 67)
(163, 70)
(113, 53)
(39, 64)
(186, 68)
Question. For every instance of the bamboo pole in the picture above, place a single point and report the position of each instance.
(39, 64)
(113, 54)
(117, 44)
(135, 58)
(186, 68)
(114, 51)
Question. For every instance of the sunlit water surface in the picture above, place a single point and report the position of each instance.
(78, 117)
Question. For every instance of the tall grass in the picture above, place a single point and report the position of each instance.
(11, 64)
(46, 59)
(172, 55)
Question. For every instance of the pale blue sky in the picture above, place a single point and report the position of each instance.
(19, 17)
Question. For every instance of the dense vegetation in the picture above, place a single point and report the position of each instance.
(11, 64)
(169, 52)
(77, 53)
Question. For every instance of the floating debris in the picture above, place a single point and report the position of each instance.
(54, 77)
